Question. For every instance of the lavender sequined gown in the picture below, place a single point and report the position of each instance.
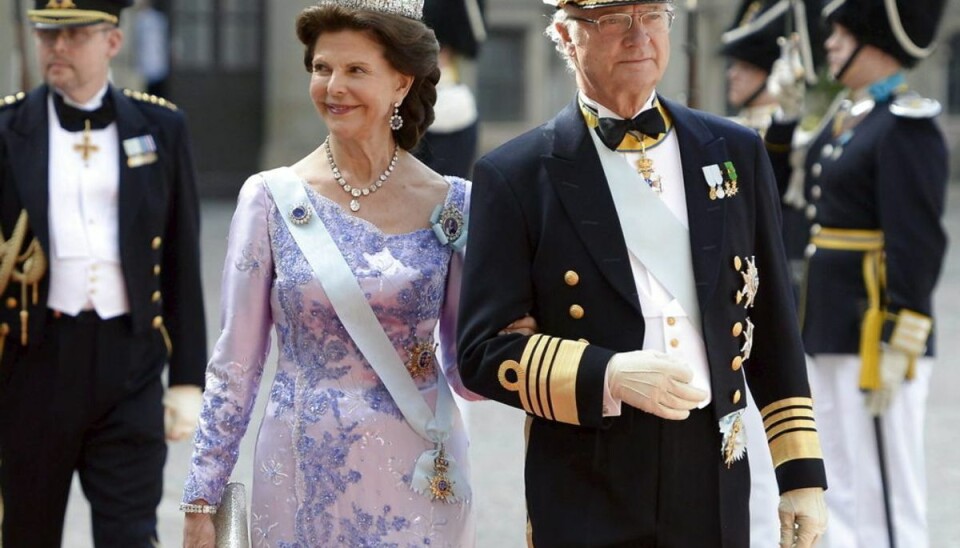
(334, 455)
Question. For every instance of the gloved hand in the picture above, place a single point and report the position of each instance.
(893, 370)
(803, 517)
(181, 411)
(653, 382)
(786, 83)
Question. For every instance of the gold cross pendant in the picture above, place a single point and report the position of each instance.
(86, 147)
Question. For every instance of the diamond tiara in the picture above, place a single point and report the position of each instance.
(407, 8)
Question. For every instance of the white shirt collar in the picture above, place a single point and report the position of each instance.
(94, 102)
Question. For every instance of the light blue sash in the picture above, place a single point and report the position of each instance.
(354, 312)
(652, 232)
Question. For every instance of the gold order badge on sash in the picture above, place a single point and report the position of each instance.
(422, 361)
(441, 487)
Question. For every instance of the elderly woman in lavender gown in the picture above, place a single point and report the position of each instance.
(345, 457)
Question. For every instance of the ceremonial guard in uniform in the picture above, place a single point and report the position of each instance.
(100, 287)
(876, 180)
(450, 144)
(643, 238)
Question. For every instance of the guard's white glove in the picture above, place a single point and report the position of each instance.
(893, 370)
(803, 517)
(181, 411)
(786, 83)
(653, 382)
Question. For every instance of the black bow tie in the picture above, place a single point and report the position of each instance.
(74, 119)
(648, 122)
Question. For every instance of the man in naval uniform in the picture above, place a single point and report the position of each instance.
(100, 287)
(643, 237)
(876, 180)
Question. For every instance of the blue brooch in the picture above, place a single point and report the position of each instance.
(300, 214)
(449, 226)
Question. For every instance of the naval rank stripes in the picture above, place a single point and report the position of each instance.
(791, 430)
(546, 377)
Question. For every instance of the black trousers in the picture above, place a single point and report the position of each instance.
(87, 399)
(643, 483)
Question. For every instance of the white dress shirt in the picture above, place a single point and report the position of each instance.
(668, 328)
(85, 269)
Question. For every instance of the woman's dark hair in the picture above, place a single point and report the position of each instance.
(408, 45)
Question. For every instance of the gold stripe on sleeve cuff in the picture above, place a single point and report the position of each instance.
(794, 445)
(563, 381)
(545, 378)
(791, 430)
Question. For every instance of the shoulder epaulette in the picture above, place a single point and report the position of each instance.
(149, 98)
(12, 99)
(912, 105)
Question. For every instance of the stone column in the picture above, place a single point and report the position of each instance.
(293, 127)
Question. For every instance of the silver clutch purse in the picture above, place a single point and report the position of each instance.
(230, 521)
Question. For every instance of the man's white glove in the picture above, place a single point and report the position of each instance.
(803, 517)
(653, 382)
(181, 411)
(893, 370)
(786, 83)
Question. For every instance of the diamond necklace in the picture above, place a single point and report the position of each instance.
(352, 190)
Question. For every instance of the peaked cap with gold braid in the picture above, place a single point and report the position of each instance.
(52, 14)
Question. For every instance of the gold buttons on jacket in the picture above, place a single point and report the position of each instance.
(674, 343)
(671, 321)
(156, 242)
(155, 297)
(737, 329)
(576, 311)
(736, 397)
(737, 263)
(11, 303)
(157, 322)
(571, 278)
(737, 363)
(156, 270)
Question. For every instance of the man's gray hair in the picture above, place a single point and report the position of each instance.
(560, 17)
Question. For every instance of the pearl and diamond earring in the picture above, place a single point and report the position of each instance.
(396, 121)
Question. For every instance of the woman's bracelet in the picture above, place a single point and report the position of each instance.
(198, 508)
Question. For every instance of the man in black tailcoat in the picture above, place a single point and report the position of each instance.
(644, 239)
(100, 287)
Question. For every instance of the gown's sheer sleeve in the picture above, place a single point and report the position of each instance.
(236, 366)
(448, 314)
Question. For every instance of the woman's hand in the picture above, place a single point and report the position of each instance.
(524, 326)
(198, 531)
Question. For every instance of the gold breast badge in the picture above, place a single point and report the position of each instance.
(422, 361)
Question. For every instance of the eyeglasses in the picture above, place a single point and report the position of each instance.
(72, 36)
(653, 22)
